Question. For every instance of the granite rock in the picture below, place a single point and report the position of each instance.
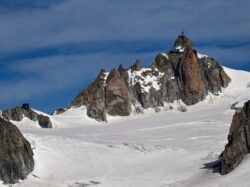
(238, 145)
(16, 155)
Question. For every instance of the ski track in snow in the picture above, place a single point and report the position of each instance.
(165, 149)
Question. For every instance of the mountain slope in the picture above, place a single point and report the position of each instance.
(168, 148)
(27, 116)
(177, 79)
(16, 156)
(182, 74)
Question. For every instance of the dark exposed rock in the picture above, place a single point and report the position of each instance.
(25, 106)
(117, 98)
(162, 63)
(136, 66)
(181, 74)
(58, 111)
(114, 74)
(96, 110)
(213, 74)
(18, 113)
(191, 77)
(124, 74)
(234, 106)
(238, 105)
(15, 114)
(183, 41)
(16, 155)
(121, 69)
(94, 90)
(44, 121)
(238, 140)
(93, 98)
(151, 99)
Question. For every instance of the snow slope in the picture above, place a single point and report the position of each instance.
(169, 148)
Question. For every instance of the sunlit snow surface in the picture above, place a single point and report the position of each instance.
(162, 149)
(147, 81)
(201, 55)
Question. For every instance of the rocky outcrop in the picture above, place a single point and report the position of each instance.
(58, 111)
(182, 41)
(194, 88)
(44, 121)
(18, 113)
(136, 66)
(117, 102)
(214, 76)
(16, 155)
(181, 74)
(93, 98)
(238, 145)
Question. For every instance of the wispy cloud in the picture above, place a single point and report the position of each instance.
(50, 46)
(8, 6)
(30, 79)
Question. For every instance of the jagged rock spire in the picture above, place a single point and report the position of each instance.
(136, 66)
(182, 41)
(16, 158)
(176, 75)
(238, 145)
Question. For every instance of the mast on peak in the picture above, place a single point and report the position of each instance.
(182, 32)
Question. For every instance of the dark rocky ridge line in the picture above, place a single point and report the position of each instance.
(238, 145)
(16, 155)
(180, 74)
(19, 112)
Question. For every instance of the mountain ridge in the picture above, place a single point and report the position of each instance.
(181, 74)
(176, 79)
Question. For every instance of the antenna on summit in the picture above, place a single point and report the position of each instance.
(182, 32)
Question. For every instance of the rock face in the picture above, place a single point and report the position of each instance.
(117, 100)
(238, 140)
(16, 155)
(181, 74)
(93, 98)
(182, 41)
(136, 66)
(191, 75)
(18, 113)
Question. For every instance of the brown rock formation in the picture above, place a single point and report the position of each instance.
(117, 96)
(136, 66)
(16, 155)
(238, 145)
(93, 98)
(177, 75)
(182, 41)
(18, 113)
(194, 86)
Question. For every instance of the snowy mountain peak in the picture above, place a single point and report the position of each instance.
(180, 74)
(181, 42)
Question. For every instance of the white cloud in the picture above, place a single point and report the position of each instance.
(75, 21)
(39, 77)
(80, 20)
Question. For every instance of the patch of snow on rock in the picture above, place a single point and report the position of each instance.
(165, 55)
(199, 55)
(180, 48)
(146, 78)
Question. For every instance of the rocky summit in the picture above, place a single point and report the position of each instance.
(182, 74)
(16, 155)
(238, 145)
(19, 112)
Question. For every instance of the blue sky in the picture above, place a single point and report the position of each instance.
(51, 49)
